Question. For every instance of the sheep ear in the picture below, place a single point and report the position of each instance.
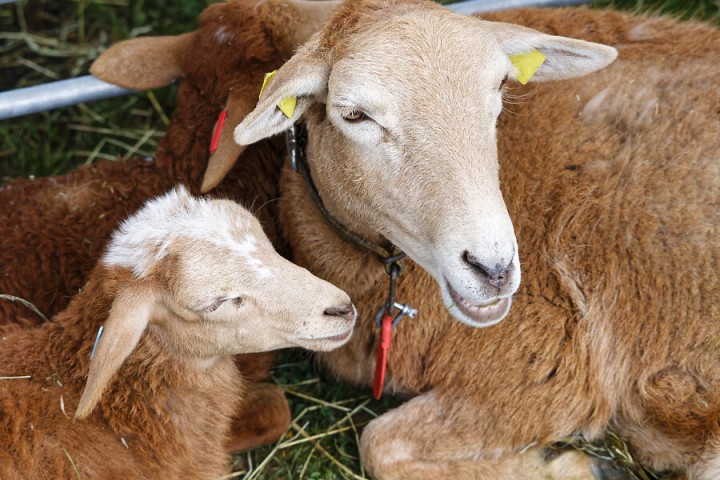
(143, 63)
(300, 82)
(128, 319)
(311, 17)
(564, 57)
(240, 103)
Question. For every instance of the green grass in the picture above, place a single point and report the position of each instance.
(46, 40)
(322, 442)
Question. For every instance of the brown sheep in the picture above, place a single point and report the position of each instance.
(611, 182)
(54, 229)
(184, 284)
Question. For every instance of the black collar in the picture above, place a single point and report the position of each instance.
(296, 140)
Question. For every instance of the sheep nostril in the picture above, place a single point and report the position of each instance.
(498, 279)
(497, 276)
(346, 311)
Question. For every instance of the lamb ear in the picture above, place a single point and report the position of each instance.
(239, 104)
(304, 77)
(128, 319)
(143, 63)
(564, 57)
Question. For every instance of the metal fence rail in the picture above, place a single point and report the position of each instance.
(63, 93)
(477, 6)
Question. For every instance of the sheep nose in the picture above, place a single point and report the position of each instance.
(496, 276)
(346, 311)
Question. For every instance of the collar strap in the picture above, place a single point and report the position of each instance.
(389, 314)
(296, 140)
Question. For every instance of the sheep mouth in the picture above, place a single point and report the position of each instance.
(477, 314)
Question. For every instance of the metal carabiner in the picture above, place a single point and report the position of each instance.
(403, 310)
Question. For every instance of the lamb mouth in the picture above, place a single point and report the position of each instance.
(340, 338)
(480, 314)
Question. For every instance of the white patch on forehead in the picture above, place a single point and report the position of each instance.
(144, 238)
(246, 249)
(222, 35)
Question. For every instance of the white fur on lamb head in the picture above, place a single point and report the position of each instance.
(402, 125)
(144, 238)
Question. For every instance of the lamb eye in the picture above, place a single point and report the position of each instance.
(354, 116)
(503, 82)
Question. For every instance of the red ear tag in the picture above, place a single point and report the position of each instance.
(216, 131)
(382, 354)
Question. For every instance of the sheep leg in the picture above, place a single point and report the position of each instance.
(262, 418)
(430, 437)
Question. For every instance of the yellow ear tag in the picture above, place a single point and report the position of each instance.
(266, 80)
(287, 104)
(527, 64)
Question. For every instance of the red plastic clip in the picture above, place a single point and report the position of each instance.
(216, 131)
(382, 354)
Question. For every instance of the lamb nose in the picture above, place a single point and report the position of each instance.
(346, 311)
(497, 277)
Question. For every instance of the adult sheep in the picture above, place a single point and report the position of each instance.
(184, 284)
(52, 230)
(611, 182)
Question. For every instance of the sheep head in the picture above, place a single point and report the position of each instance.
(223, 59)
(205, 280)
(401, 101)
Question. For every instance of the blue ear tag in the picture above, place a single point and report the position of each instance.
(97, 339)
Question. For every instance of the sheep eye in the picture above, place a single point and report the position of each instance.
(237, 301)
(354, 116)
(214, 306)
(503, 82)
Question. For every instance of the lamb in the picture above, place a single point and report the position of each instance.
(611, 182)
(220, 65)
(53, 230)
(184, 284)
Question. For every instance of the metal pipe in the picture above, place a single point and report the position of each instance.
(63, 93)
(477, 6)
(25, 101)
